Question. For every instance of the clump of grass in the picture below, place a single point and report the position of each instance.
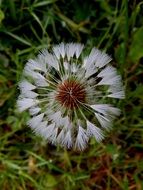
(27, 162)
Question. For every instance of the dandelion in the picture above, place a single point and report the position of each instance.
(69, 96)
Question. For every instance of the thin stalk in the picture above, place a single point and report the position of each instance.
(12, 9)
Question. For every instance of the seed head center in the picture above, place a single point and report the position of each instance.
(70, 94)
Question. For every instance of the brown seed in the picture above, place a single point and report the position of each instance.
(70, 94)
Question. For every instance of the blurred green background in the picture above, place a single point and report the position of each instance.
(26, 161)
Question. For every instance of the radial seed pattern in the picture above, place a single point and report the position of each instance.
(70, 94)
(69, 97)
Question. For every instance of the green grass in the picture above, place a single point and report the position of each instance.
(26, 161)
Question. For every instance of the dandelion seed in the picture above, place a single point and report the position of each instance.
(69, 97)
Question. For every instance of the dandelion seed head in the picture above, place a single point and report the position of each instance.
(69, 96)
